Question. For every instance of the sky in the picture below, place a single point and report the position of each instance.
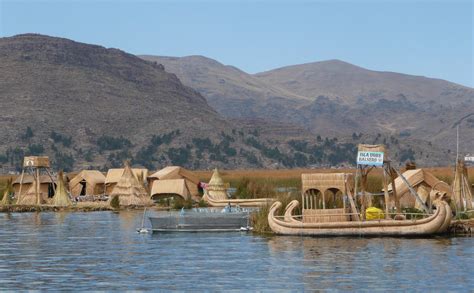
(419, 37)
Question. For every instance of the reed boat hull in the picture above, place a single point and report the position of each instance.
(434, 224)
(257, 202)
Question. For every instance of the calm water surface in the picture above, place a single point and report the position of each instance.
(102, 251)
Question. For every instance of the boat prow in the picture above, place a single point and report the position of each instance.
(435, 223)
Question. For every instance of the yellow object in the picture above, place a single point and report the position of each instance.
(374, 213)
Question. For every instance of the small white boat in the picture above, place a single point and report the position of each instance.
(202, 220)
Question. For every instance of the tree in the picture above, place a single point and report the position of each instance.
(28, 134)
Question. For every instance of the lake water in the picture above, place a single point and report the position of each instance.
(102, 251)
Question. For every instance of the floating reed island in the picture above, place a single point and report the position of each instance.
(361, 195)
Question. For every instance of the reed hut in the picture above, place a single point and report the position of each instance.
(29, 197)
(114, 175)
(130, 191)
(424, 183)
(46, 187)
(216, 188)
(87, 182)
(174, 181)
(61, 197)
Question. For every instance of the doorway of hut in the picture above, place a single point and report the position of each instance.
(83, 187)
(51, 189)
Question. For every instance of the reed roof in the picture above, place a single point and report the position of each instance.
(90, 176)
(416, 177)
(28, 179)
(114, 175)
(174, 172)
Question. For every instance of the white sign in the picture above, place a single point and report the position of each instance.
(370, 158)
(469, 158)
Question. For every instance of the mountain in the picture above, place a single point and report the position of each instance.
(232, 92)
(335, 98)
(385, 102)
(87, 106)
(86, 92)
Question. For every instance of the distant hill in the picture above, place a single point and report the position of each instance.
(232, 92)
(86, 91)
(87, 106)
(336, 98)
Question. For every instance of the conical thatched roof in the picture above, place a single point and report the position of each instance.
(129, 190)
(216, 179)
(61, 197)
(216, 188)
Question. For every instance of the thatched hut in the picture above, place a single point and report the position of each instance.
(46, 187)
(114, 175)
(174, 180)
(216, 188)
(87, 182)
(61, 197)
(129, 190)
(425, 184)
(30, 196)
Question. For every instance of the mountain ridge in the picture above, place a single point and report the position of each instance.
(334, 97)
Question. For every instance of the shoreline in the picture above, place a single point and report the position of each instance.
(13, 208)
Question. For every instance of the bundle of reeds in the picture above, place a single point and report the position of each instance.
(8, 190)
(61, 197)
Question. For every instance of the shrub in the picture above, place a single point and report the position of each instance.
(202, 204)
(115, 202)
(111, 143)
(259, 220)
(180, 203)
(28, 134)
(63, 161)
(35, 149)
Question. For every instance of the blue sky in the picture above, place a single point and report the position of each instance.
(430, 38)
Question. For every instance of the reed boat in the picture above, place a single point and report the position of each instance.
(256, 202)
(436, 223)
(329, 208)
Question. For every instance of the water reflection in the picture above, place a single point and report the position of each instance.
(102, 251)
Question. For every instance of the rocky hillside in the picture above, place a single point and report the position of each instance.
(85, 92)
(335, 98)
(383, 102)
(87, 106)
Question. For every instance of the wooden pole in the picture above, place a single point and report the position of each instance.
(385, 191)
(393, 175)
(38, 201)
(457, 186)
(413, 192)
(303, 200)
(363, 184)
(52, 180)
(21, 184)
(356, 185)
(467, 189)
(468, 194)
(351, 201)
